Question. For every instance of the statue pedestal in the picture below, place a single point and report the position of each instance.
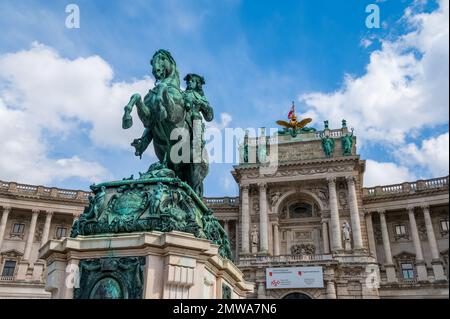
(147, 265)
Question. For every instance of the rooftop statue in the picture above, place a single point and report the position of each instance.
(294, 126)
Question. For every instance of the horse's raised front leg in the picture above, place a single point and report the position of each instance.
(127, 120)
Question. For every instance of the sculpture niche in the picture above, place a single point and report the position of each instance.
(168, 196)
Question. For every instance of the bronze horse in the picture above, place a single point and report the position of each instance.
(163, 110)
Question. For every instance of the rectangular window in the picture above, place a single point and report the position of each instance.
(8, 269)
(407, 271)
(61, 232)
(18, 229)
(444, 225)
(400, 230)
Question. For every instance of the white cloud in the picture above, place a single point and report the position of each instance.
(23, 154)
(386, 173)
(366, 42)
(405, 87)
(225, 120)
(40, 90)
(433, 155)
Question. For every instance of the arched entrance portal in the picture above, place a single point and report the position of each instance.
(296, 295)
(300, 224)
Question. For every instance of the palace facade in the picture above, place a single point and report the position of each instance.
(303, 229)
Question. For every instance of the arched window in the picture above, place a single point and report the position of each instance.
(300, 210)
(296, 295)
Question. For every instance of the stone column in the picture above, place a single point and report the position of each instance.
(226, 227)
(236, 240)
(261, 291)
(420, 264)
(354, 213)
(245, 222)
(430, 233)
(3, 222)
(46, 232)
(388, 264)
(370, 235)
(325, 237)
(30, 238)
(331, 289)
(263, 220)
(438, 269)
(336, 240)
(276, 240)
(289, 240)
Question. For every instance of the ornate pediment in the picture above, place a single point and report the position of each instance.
(12, 253)
(404, 255)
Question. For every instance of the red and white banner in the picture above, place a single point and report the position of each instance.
(294, 277)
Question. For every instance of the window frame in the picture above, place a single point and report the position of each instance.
(13, 233)
(410, 271)
(404, 235)
(57, 236)
(5, 267)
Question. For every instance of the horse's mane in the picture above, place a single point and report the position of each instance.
(174, 76)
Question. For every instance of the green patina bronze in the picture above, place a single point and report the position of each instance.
(158, 200)
(165, 108)
(226, 292)
(347, 144)
(328, 145)
(111, 278)
(294, 132)
(169, 195)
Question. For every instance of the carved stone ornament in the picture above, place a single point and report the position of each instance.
(303, 249)
(111, 278)
(160, 202)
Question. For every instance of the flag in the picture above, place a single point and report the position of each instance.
(292, 111)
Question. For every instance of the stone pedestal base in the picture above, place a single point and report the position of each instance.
(391, 273)
(438, 270)
(22, 269)
(421, 268)
(149, 265)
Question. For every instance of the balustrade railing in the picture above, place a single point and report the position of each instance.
(6, 278)
(411, 187)
(221, 201)
(25, 189)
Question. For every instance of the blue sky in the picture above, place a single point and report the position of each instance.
(256, 56)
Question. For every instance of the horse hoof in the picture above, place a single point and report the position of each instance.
(127, 122)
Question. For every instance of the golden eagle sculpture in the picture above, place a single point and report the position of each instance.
(293, 123)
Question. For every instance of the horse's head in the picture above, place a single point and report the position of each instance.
(164, 66)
